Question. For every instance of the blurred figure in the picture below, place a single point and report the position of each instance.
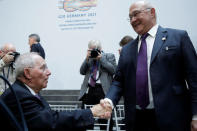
(32, 76)
(125, 40)
(98, 68)
(6, 65)
(35, 46)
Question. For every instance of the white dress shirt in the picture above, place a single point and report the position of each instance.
(32, 91)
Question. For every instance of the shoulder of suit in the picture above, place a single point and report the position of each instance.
(19, 86)
(130, 44)
(108, 54)
(19, 90)
(174, 30)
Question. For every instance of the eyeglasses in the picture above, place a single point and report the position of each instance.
(43, 67)
(136, 13)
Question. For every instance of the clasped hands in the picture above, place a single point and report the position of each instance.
(102, 110)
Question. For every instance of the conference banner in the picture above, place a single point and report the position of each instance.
(77, 14)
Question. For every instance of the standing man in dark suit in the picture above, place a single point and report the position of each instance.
(152, 75)
(35, 46)
(32, 76)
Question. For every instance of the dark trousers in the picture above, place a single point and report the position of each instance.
(145, 120)
(94, 95)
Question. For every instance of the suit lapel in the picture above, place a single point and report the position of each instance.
(159, 40)
(134, 51)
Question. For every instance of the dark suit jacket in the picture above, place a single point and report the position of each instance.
(39, 115)
(173, 63)
(39, 49)
(7, 119)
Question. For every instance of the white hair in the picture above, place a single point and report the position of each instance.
(23, 61)
(96, 43)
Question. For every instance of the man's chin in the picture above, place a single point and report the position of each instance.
(45, 86)
(139, 29)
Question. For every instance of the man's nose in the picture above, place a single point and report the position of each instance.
(133, 20)
(48, 72)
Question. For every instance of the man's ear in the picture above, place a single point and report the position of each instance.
(27, 73)
(153, 12)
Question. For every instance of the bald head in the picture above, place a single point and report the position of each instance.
(8, 47)
(143, 4)
(142, 16)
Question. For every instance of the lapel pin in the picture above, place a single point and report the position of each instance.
(167, 48)
(164, 38)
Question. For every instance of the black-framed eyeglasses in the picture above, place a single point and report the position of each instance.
(136, 13)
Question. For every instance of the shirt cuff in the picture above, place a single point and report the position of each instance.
(110, 102)
(194, 117)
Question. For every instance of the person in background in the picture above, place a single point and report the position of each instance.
(125, 40)
(98, 68)
(6, 65)
(35, 46)
(32, 76)
(152, 75)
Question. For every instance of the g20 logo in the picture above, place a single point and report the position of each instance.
(81, 5)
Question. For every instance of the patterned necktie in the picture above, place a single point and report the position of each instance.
(93, 75)
(142, 94)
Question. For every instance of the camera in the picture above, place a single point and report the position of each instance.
(15, 54)
(94, 53)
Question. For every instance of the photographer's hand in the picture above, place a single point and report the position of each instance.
(8, 58)
(88, 54)
(99, 56)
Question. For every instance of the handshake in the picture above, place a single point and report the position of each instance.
(102, 110)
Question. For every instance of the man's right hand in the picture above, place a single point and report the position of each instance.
(101, 112)
(8, 58)
(88, 54)
(107, 106)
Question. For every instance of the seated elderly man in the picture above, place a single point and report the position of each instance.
(31, 77)
(6, 65)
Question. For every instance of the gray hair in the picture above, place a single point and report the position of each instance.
(148, 4)
(96, 43)
(24, 61)
(35, 36)
(7, 47)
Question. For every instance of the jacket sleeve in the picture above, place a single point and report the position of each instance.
(108, 62)
(116, 89)
(190, 65)
(39, 115)
(84, 67)
(79, 119)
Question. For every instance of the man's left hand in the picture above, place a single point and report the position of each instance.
(99, 56)
(194, 125)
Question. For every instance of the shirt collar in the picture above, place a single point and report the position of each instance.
(152, 32)
(32, 91)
